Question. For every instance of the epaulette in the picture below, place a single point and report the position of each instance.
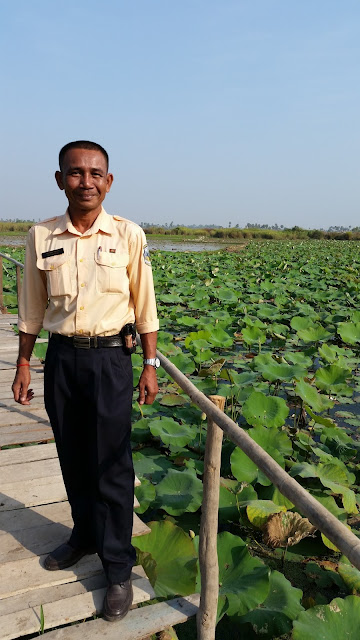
(118, 218)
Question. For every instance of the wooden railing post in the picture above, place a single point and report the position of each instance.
(208, 558)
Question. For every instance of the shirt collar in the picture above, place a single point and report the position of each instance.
(103, 223)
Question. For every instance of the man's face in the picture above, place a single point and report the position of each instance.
(85, 180)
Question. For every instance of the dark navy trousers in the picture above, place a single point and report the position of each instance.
(88, 397)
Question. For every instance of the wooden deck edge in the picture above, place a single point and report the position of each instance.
(65, 611)
(138, 624)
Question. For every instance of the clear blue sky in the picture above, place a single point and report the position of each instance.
(212, 111)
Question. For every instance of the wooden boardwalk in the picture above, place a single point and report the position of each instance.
(35, 518)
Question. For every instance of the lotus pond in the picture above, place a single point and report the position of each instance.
(276, 330)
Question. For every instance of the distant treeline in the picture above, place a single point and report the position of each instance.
(20, 226)
(234, 233)
(224, 233)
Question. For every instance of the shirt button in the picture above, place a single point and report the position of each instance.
(81, 308)
(83, 284)
(80, 331)
(81, 260)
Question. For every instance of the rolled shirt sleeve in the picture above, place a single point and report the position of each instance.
(34, 298)
(141, 283)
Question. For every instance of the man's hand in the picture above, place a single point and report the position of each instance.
(20, 387)
(148, 385)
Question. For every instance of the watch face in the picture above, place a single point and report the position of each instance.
(157, 363)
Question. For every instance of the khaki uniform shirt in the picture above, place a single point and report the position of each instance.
(87, 284)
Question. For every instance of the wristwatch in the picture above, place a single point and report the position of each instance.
(155, 362)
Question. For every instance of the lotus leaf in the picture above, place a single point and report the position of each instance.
(253, 335)
(268, 311)
(331, 476)
(339, 619)
(326, 422)
(187, 321)
(183, 362)
(315, 333)
(173, 400)
(219, 338)
(276, 444)
(329, 377)
(299, 323)
(40, 348)
(171, 432)
(258, 511)
(298, 357)
(349, 574)
(145, 494)
(274, 616)
(213, 370)
(244, 581)
(149, 463)
(179, 491)
(140, 431)
(231, 497)
(312, 397)
(286, 529)
(226, 295)
(169, 558)
(272, 370)
(349, 332)
(269, 411)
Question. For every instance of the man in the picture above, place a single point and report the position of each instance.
(87, 276)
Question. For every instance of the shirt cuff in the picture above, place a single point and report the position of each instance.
(147, 327)
(29, 327)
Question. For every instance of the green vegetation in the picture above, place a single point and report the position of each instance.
(250, 232)
(276, 330)
(15, 227)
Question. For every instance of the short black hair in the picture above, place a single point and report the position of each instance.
(82, 144)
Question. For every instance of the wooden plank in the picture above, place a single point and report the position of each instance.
(22, 434)
(29, 471)
(26, 416)
(7, 375)
(68, 610)
(7, 394)
(38, 516)
(138, 623)
(28, 574)
(37, 402)
(27, 454)
(17, 495)
(44, 537)
(58, 592)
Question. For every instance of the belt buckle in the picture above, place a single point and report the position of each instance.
(81, 342)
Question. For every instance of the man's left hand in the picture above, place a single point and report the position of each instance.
(148, 385)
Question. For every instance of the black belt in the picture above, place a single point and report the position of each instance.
(88, 342)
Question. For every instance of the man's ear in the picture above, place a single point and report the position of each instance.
(59, 180)
(109, 181)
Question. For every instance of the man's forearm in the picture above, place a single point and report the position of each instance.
(26, 345)
(148, 343)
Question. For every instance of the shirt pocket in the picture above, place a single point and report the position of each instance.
(111, 272)
(58, 276)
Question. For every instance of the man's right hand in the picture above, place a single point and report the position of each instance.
(20, 387)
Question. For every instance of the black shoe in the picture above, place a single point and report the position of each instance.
(118, 601)
(64, 556)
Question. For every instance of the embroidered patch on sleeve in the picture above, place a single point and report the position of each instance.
(146, 254)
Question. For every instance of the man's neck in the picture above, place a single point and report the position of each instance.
(83, 220)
